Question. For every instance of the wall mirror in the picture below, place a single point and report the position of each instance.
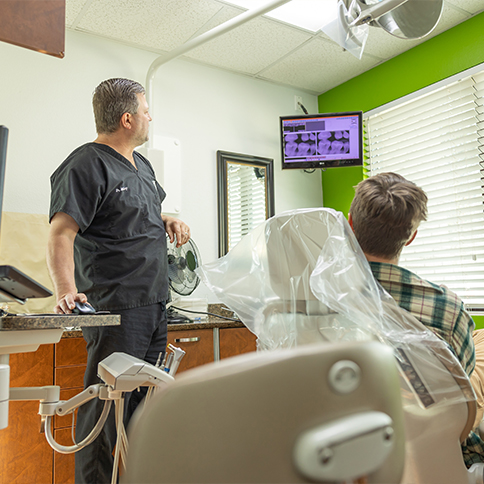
(245, 196)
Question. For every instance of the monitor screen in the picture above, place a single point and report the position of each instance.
(15, 286)
(322, 140)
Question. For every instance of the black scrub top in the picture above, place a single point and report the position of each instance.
(120, 249)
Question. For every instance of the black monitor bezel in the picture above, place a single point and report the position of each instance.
(313, 164)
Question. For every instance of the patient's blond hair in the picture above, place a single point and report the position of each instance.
(386, 211)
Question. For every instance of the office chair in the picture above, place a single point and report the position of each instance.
(302, 278)
(317, 413)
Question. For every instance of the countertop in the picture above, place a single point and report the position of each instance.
(72, 323)
(55, 321)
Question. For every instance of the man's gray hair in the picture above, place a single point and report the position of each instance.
(111, 99)
(386, 211)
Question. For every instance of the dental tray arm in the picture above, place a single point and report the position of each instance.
(98, 390)
(124, 373)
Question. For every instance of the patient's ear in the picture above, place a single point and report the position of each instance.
(411, 239)
(350, 221)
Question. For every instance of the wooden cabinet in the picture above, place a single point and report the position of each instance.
(235, 341)
(198, 344)
(25, 456)
(70, 359)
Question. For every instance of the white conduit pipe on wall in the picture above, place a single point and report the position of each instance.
(199, 40)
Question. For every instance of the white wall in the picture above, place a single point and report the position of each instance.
(46, 104)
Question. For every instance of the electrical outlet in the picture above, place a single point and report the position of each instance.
(297, 100)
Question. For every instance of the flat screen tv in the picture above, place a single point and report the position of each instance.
(322, 140)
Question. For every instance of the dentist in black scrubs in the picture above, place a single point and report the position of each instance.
(107, 246)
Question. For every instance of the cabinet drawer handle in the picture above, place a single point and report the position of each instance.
(187, 340)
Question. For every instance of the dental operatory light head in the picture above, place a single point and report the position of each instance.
(350, 20)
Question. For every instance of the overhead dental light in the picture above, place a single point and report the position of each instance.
(405, 19)
(347, 21)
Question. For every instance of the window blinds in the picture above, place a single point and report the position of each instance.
(436, 140)
(246, 189)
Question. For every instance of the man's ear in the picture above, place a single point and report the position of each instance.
(125, 121)
(350, 221)
(411, 239)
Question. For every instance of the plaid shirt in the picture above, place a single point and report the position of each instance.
(440, 310)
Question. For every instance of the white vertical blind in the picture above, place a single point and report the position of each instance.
(246, 189)
(436, 140)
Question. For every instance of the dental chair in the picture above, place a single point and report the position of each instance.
(317, 413)
(301, 278)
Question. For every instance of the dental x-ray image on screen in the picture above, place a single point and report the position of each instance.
(322, 140)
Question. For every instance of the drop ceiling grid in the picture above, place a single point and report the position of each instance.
(250, 47)
(149, 23)
(472, 6)
(224, 14)
(263, 48)
(73, 9)
(318, 66)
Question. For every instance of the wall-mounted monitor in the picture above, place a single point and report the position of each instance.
(322, 140)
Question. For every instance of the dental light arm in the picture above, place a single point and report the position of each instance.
(368, 13)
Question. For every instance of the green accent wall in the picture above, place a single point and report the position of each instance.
(445, 55)
(338, 186)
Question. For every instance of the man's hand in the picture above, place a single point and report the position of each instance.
(175, 227)
(66, 303)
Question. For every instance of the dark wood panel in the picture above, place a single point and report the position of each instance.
(34, 24)
(235, 341)
(63, 463)
(26, 457)
(70, 376)
(32, 369)
(199, 352)
(70, 351)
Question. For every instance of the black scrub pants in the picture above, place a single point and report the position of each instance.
(143, 334)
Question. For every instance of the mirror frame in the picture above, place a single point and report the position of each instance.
(223, 158)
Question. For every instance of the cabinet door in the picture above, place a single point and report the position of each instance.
(197, 343)
(235, 341)
(64, 463)
(70, 352)
(26, 457)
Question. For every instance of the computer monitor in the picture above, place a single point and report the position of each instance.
(15, 286)
(322, 140)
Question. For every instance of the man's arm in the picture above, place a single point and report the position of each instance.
(60, 261)
(175, 227)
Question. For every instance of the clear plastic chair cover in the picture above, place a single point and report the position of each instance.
(301, 278)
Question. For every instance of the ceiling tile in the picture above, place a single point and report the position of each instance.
(318, 66)
(450, 17)
(225, 13)
(471, 6)
(384, 45)
(250, 47)
(150, 23)
(73, 8)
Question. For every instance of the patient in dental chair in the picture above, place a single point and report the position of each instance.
(385, 215)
